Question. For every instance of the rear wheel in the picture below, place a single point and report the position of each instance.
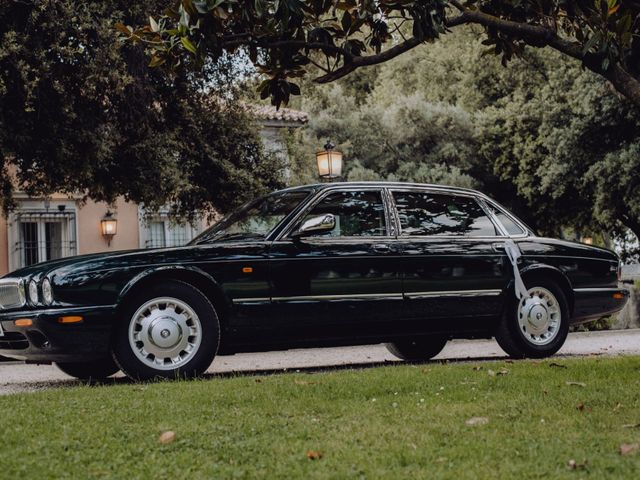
(417, 349)
(169, 330)
(535, 326)
(91, 370)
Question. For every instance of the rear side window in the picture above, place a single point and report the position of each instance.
(424, 213)
(509, 225)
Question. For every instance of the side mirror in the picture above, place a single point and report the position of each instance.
(321, 223)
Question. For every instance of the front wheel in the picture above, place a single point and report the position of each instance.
(535, 326)
(417, 349)
(91, 370)
(170, 330)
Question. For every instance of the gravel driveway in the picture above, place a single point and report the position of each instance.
(17, 377)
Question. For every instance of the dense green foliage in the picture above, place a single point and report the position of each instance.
(545, 137)
(284, 37)
(387, 422)
(82, 113)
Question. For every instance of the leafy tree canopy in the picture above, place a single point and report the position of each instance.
(284, 37)
(544, 137)
(82, 113)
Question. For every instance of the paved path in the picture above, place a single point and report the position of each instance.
(17, 377)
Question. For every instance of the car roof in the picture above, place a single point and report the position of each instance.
(324, 186)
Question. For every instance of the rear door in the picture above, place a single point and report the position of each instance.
(453, 263)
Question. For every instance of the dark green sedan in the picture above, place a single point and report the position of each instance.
(408, 265)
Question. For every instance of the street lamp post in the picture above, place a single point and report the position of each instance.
(329, 162)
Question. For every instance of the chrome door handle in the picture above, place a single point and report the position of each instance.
(380, 247)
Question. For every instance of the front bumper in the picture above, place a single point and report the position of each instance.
(47, 340)
(594, 303)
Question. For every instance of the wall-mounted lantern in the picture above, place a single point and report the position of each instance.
(329, 162)
(109, 226)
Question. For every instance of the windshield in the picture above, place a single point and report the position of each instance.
(254, 220)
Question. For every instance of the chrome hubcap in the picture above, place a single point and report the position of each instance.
(539, 316)
(165, 333)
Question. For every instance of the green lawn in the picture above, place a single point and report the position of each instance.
(401, 421)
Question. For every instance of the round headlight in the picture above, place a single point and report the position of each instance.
(33, 292)
(47, 292)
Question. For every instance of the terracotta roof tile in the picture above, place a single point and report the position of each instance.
(268, 112)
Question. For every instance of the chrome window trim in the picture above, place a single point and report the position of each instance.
(471, 195)
(288, 228)
(483, 204)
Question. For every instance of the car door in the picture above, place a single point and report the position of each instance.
(453, 264)
(342, 282)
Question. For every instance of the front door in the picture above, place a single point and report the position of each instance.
(343, 282)
(454, 266)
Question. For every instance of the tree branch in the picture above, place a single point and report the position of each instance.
(534, 35)
(388, 54)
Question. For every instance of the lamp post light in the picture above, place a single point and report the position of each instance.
(329, 162)
(109, 226)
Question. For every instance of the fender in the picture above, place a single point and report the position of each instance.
(181, 270)
(552, 272)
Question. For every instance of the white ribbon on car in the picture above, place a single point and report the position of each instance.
(513, 252)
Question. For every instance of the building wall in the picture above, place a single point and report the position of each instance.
(89, 236)
(90, 239)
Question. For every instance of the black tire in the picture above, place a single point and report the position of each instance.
(91, 370)
(514, 340)
(417, 349)
(129, 355)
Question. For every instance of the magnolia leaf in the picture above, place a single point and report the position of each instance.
(294, 89)
(576, 384)
(573, 465)
(477, 421)
(122, 28)
(314, 455)
(189, 45)
(629, 448)
(167, 437)
(157, 61)
(154, 25)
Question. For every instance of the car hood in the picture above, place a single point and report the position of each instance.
(141, 258)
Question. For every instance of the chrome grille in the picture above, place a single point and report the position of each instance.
(11, 294)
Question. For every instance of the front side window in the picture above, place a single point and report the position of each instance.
(255, 220)
(357, 213)
(425, 213)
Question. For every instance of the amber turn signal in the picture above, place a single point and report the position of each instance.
(618, 296)
(70, 319)
(247, 269)
(23, 322)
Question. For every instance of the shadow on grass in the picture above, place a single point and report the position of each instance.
(113, 381)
